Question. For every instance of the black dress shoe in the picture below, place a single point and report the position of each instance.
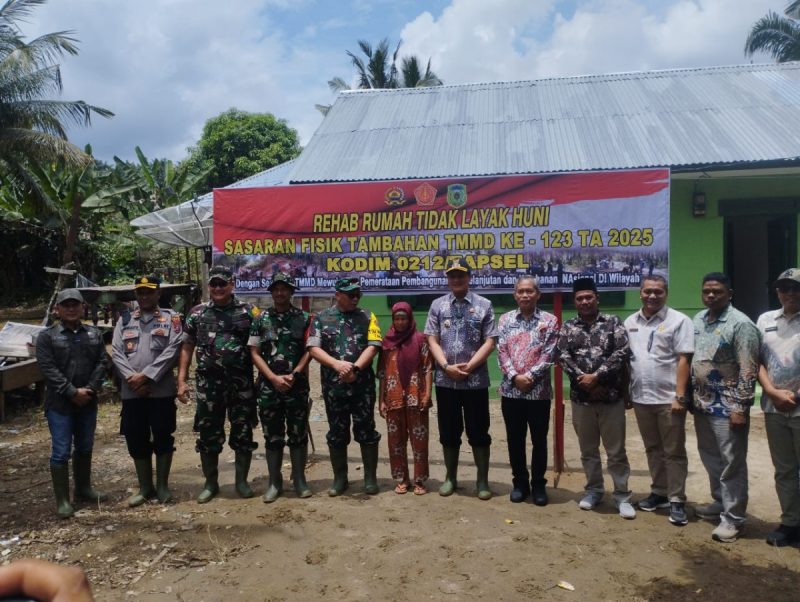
(540, 496)
(518, 495)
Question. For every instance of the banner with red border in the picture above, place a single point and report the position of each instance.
(399, 236)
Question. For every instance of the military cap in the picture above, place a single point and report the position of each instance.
(792, 275)
(458, 265)
(282, 278)
(584, 284)
(147, 282)
(69, 294)
(220, 272)
(345, 285)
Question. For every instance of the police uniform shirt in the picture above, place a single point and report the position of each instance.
(148, 344)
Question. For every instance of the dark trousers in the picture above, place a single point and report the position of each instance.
(459, 408)
(519, 416)
(148, 424)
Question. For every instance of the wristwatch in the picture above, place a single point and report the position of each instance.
(445, 366)
(356, 369)
(681, 399)
(296, 374)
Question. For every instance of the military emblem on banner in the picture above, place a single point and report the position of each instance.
(425, 195)
(457, 195)
(395, 196)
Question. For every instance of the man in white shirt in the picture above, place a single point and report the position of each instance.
(662, 343)
(779, 375)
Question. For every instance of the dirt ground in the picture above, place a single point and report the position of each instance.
(391, 547)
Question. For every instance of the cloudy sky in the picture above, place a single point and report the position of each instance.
(166, 66)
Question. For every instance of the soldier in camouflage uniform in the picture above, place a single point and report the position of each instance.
(278, 349)
(345, 339)
(219, 330)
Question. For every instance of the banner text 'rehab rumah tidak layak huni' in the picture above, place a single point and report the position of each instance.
(401, 235)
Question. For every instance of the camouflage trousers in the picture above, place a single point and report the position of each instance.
(218, 395)
(284, 416)
(345, 402)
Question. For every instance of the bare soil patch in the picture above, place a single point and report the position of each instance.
(389, 546)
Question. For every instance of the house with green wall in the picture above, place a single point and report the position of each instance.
(730, 136)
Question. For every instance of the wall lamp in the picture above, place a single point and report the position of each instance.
(698, 203)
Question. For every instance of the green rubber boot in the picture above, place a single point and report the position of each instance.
(60, 474)
(481, 455)
(299, 456)
(82, 471)
(369, 456)
(451, 466)
(144, 473)
(211, 473)
(163, 466)
(242, 464)
(339, 463)
(275, 487)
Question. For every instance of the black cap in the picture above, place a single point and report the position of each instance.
(458, 265)
(151, 282)
(583, 284)
(69, 294)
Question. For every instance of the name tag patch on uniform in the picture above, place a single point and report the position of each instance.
(771, 329)
(130, 334)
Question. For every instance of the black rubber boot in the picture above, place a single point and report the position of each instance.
(339, 464)
(242, 464)
(60, 474)
(369, 456)
(481, 455)
(144, 473)
(82, 471)
(211, 473)
(163, 466)
(275, 487)
(299, 456)
(451, 466)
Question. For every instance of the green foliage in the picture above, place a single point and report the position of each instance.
(32, 125)
(237, 144)
(776, 35)
(378, 71)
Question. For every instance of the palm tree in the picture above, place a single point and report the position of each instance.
(32, 126)
(777, 35)
(414, 78)
(379, 72)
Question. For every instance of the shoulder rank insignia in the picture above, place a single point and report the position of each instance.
(176, 323)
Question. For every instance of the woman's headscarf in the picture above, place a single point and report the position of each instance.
(408, 343)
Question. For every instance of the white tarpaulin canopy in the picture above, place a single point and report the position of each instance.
(190, 224)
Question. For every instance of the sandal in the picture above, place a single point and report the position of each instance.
(419, 489)
(401, 488)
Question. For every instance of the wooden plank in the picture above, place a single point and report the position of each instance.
(19, 375)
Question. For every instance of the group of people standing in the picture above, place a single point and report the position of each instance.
(657, 361)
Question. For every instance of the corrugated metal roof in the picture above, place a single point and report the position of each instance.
(685, 117)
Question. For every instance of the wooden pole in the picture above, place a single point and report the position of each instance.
(558, 439)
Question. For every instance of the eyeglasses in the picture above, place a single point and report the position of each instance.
(354, 294)
(217, 284)
(789, 288)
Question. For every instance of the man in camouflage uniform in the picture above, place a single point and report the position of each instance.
(345, 339)
(277, 347)
(145, 350)
(219, 330)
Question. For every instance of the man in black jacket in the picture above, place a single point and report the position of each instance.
(73, 360)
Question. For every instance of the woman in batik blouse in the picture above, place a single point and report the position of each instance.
(405, 374)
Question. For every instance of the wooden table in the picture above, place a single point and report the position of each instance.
(20, 374)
